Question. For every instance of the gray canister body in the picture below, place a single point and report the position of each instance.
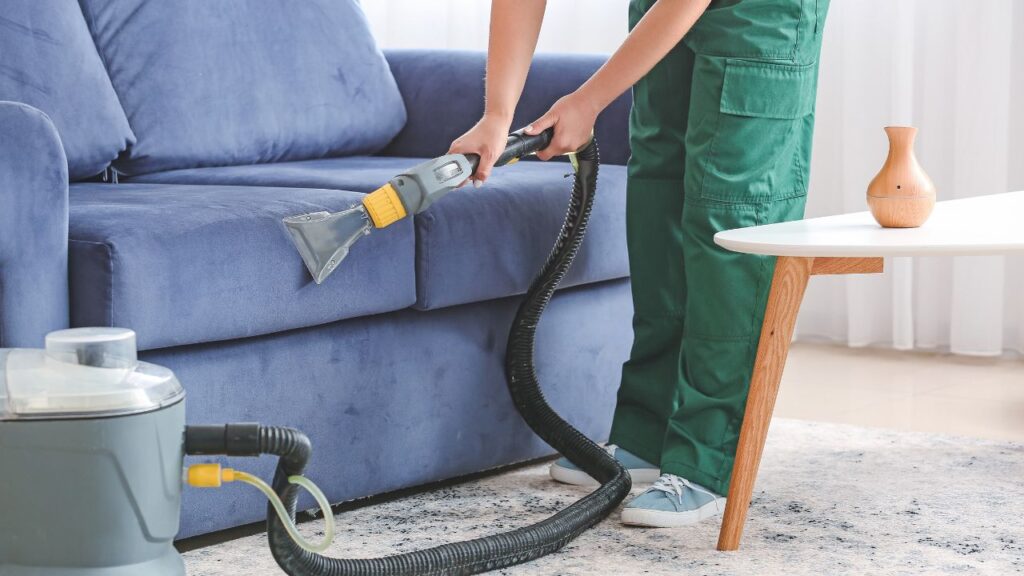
(92, 496)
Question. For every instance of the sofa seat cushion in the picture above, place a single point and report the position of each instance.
(215, 83)
(491, 241)
(186, 264)
(475, 244)
(48, 61)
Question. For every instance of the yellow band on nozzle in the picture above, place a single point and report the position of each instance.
(384, 206)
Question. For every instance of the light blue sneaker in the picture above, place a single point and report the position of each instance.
(640, 470)
(672, 501)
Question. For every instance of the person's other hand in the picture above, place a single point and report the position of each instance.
(573, 117)
(487, 140)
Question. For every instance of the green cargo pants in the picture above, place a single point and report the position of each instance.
(721, 138)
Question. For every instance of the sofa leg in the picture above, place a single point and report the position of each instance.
(784, 298)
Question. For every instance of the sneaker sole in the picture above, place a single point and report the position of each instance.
(664, 519)
(581, 478)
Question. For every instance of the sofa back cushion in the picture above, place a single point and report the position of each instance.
(48, 61)
(228, 82)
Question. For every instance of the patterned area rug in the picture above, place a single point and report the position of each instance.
(830, 499)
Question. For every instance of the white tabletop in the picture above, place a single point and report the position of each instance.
(972, 226)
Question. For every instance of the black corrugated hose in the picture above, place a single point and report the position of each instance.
(500, 550)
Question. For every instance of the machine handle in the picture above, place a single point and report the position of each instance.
(519, 144)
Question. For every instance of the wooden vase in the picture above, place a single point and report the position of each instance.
(901, 195)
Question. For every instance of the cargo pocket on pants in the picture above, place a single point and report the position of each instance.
(761, 147)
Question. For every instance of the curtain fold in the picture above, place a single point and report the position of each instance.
(953, 69)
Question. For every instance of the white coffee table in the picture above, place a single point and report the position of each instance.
(845, 244)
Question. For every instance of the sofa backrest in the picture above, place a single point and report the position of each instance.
(227, 82)
(48, 61)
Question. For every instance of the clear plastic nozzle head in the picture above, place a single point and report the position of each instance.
(96, 347)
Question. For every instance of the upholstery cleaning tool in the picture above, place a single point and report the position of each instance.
(324, 240)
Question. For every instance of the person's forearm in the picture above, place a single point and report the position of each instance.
(652, 38)
(515, 26)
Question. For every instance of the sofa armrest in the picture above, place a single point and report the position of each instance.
(33, 227)
(444, 96)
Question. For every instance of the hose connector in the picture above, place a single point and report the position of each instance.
(208, 475)
(384, 206)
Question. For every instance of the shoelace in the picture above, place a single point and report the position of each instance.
(673, 486)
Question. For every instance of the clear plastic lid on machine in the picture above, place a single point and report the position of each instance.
(83, 373)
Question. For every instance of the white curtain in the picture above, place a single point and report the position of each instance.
(954, 69)
(594, 26)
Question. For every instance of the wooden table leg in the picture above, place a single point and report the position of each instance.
(784, 298)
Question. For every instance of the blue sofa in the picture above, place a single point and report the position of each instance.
(148, 151)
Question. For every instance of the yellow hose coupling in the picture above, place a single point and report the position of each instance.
(209, 475)
(384, 206)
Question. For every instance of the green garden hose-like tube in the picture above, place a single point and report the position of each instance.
(508, 548)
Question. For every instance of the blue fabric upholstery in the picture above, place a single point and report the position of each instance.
(240, 82)
(33, 227)
(489, 242)
(401, 399)
(188, 264)
(475, 244)
(48, 61)
(444, 95)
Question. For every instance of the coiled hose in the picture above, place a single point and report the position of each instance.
(499, 550)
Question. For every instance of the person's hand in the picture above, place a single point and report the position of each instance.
(487, 140)
(573, 117)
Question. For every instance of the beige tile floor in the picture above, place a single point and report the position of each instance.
(982, 397)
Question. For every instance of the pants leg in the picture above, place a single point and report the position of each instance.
(747, 158)
(721, 133)
(654, 374)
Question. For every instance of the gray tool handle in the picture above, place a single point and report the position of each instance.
(426, 183)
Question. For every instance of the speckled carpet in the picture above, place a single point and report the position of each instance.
(830, 499)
